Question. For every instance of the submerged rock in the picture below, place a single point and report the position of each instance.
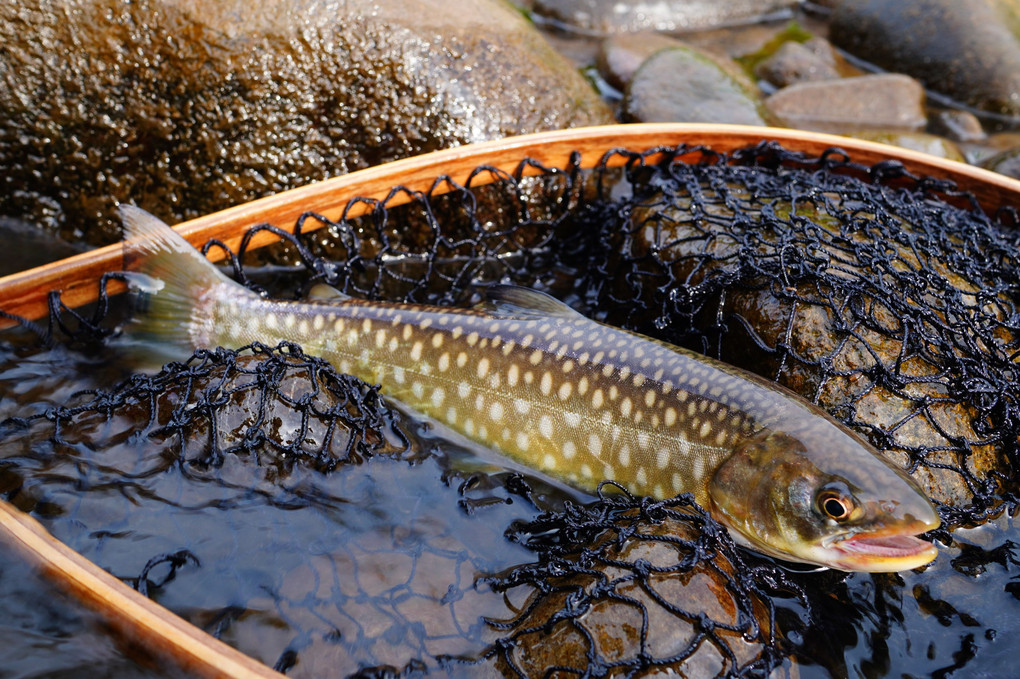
(684, 84)
(186, 107)
(613, 16)
(967, 49)
(887, 101)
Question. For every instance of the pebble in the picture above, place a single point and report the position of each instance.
(796, 62)
(687, 85)
(885, 101)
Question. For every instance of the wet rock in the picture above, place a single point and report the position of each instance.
(186, 107)
(620, 56)
(866, 102)
(687, 85)
(643, 603)
(967, 49)
(873, 308)
(609, 16)
(796, 62)
(915, 141)
(956, 125)
(1007, 163)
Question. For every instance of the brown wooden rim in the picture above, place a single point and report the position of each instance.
(139, 619)
(25, 294)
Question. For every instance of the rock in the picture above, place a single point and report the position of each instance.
(613, 16)
(845, 334)
(955, 124)
(886, 101)
(644, 603)
(187, 107)
(620, 56)
(687, 85)
(967, 49)
(796, 62)
(1007, 163)
(915, 141)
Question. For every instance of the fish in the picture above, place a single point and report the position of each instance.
(528, 376)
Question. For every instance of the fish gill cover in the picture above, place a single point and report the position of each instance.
(292, 512)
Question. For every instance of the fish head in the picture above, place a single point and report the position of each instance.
(778, 495)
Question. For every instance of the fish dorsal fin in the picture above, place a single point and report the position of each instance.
(321, 292)
(511, 301)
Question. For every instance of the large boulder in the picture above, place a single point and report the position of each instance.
(967, 49)
(186, 107)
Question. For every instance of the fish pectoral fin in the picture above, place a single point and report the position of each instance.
(327, 293)
(511, 301)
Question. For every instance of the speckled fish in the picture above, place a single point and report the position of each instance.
(530, 377)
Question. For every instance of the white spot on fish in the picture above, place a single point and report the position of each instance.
(416, 351)
(624, 455)
(594, 444)
(522, 440)
(572, 419)
(545, 426)
(483, 367)
(641, 477)
(271, 321)
(398, 374)
(569, 450)
(546, 384)
(625, 405)
(438, 396)
(549, 462)
(463, 389)
(596, 399)
(437, 340)
(512, 375)
(496, 411)
(462, 359)
(522, 406)
(418, 389)
(662, 460)
(444, 362)
(564, 391)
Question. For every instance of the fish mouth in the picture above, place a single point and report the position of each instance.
(882, 552)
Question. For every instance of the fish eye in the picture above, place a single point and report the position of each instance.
(836, 502)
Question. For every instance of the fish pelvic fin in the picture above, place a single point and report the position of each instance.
(172, 284)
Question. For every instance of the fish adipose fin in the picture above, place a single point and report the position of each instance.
(322, 292)
(511, 301)
(171, 283)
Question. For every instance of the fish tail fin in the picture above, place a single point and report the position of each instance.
(174, 288)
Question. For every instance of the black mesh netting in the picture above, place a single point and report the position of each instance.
(294, 513)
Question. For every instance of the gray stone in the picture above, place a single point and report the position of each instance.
(887, 101)
(967, 49)
(796, 62)
(915, 141)
(621, 55)
(686, 85)
(186, 106)
(672, 16)
(956, 125)
(1007, 163)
